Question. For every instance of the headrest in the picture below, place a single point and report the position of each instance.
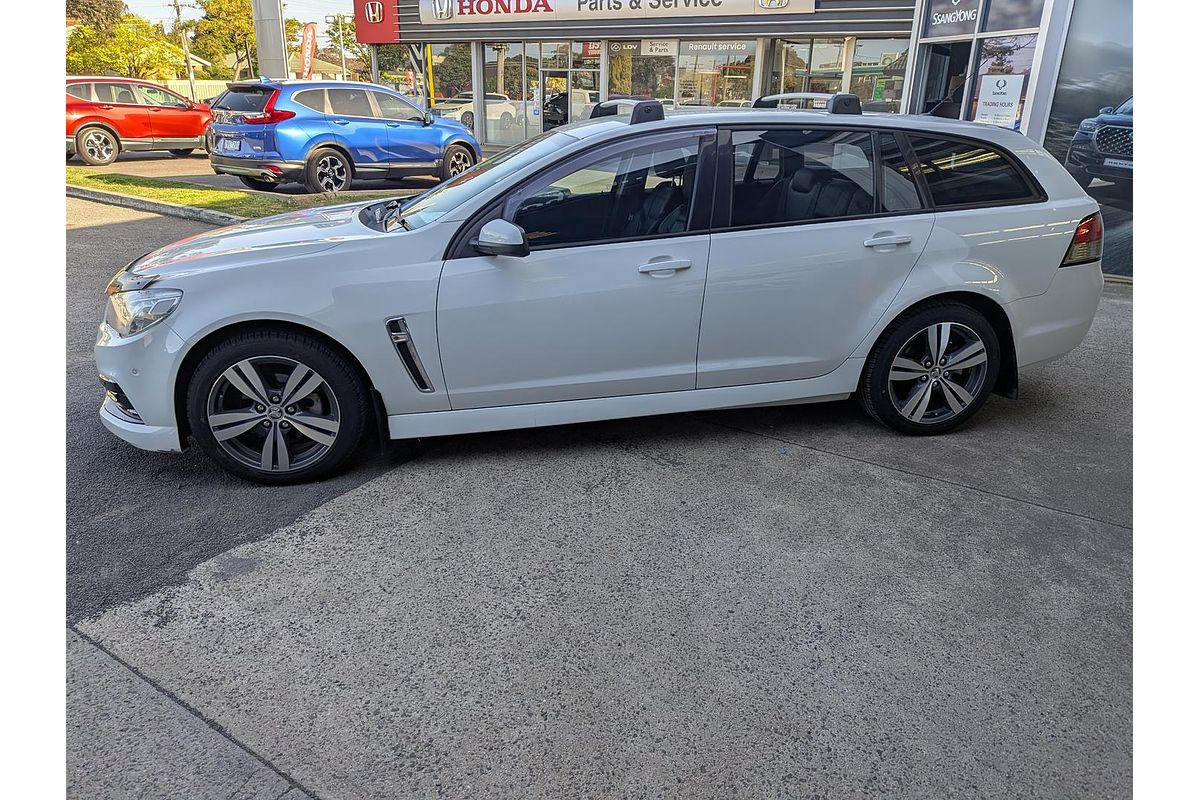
(804, 179)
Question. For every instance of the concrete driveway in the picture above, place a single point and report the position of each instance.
(783, 602)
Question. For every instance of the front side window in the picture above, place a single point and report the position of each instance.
(392, 107)
(161, 97)
(968, 173)
(817, 174)
(350, 103)
(641, 192)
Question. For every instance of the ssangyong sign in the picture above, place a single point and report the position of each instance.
(449, 12)
(951, 17)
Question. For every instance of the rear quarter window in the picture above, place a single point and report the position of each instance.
(961, 173)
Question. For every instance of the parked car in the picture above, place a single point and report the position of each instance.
(501, 110)
(556, 111)
(325, 134)
(106, 116)
(1102, 146)
(563, 280)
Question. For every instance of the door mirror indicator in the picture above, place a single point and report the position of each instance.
(501, 238)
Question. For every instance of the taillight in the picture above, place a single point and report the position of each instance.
(1088, 242)
(269, 113)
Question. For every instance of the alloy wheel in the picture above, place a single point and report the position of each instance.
(332, 175)
(99, 146)
(459, 162)
(938, 373)
(273, 414)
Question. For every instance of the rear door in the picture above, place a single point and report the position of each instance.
(352, 117)
(171, 117)
(802, 268)
(119, 105)
(411, 144)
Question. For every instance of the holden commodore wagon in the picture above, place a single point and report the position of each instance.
(632, 264)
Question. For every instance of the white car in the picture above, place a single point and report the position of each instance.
(500, 109)
(623, 266)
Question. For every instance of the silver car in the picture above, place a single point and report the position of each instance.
(628, 265)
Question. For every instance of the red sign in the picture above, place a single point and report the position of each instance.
(375, 22)
(308, 50)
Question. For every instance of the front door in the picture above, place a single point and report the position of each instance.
(814, 251)
(411, 144)
(172, 119)
(608, 301)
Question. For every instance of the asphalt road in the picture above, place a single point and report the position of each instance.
(786, 601)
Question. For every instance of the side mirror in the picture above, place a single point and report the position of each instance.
(428, 117)
(1106, 110)
(501, 238)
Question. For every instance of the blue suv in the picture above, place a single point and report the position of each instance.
(325, 134)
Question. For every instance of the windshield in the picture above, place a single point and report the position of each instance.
(444, 198)
(1126, 107)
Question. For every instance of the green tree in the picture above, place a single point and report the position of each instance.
(133, 48)
(226, 27)
(342, 30)
(101, 15)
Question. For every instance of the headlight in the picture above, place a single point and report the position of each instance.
(1088, 125)
(133, 312)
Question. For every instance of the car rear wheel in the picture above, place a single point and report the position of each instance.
(458, 159)
(181, 153)
(327, 170)
(97, 146)
(258, 184)
(931, 370)
(277, 407)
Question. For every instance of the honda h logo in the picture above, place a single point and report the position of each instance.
(373, 12)
(442, 9)
(772, 4)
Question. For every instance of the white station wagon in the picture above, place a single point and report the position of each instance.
(636, 263)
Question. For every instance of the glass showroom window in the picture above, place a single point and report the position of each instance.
(827, 66)
(1002, 69)
(1011, 15)
(877, 76)
(585, 78)
(791, 71)
(451, 69)
(642, 69)
(715, 73)
(507, 93)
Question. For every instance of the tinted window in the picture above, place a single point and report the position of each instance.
(899, 185)
(350, 102)
(248, 98)
(161, 97)
(391, 107)
(642, 192)
(116, 93)
(965, 173)
(818, 174)
(312, 98)
(80, 90)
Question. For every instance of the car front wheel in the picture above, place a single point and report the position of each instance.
(931, 370)
(457, 160)
(277, 407)
(97, 146)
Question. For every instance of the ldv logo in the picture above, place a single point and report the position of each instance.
(373, 12)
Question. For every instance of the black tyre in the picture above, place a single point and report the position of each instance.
(97, 146)
(327, 171)
(468, 119)
(181, 153)
(457, 160)
(258, 183)
(506, 121)
(277, 407)
(931, 370)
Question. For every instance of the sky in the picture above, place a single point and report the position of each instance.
(303, 10)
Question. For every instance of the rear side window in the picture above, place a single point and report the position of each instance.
(350, 103)
(899, 184)
(250, 98)
(818, 174)
(969, 173)
(81, 90)
(116, 93)
(312, 98)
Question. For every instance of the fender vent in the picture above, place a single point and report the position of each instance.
(402, 340)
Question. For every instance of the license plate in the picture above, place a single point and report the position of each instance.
(1123, 163)
(231, 144)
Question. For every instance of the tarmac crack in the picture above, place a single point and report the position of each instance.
(215, 726)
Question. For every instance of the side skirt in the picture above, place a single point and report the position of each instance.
(837, 385)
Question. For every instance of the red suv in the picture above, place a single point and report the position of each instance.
(108, 115)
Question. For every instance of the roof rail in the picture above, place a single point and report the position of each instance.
(639, 110)
(843, 103)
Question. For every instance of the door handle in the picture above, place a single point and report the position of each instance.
(341, 122)
(393, 124)
(887, 240)
(106, 106)
(665, 266)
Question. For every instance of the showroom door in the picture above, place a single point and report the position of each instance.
(608, 301)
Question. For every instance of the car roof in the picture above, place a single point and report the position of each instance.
(109, 79)
(302, 84)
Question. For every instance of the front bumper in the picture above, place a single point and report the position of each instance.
(1053, 323)
(1082, 155)
(274, 170)
(144, 368)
